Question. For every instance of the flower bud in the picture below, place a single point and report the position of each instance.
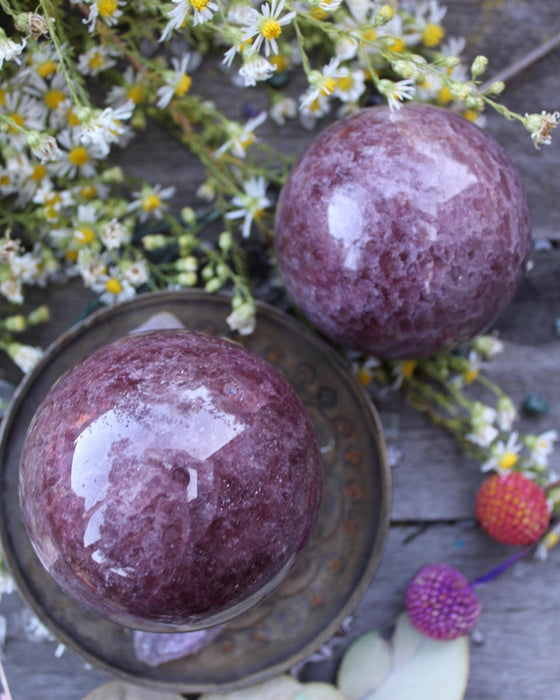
(384, 14)
(479, 65)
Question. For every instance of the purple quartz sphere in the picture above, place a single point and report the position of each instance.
(169, 480)
(402, 234)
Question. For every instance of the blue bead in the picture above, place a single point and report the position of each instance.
(535, 405)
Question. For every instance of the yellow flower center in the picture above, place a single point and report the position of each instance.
(136, 93)
(46, 68)
(432, 35)
(88, 191)
(78, 156)
(71, 255)
(319, 13)
(183, 85)
(328, 86)
(246, 140)
(113, 286)
(551, 539)
(18, 119)
(96, 61)
(54, 98)
(444, 96)
(271, 29)
(72, 118)
(107, 8)
(369, 34)
(508, 460)
(364, 377)
(470, 375)
(281, 62)
(408, 368)
(470, 114)
(345, 83)
(398, 46)
(199, 5)
(84, 234)
(2, 97)
(151, 202)
(4, 180)
(39, 172)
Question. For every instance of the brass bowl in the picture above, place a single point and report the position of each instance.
(340, 561)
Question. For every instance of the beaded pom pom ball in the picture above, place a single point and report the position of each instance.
(441, 603)
(512, 509)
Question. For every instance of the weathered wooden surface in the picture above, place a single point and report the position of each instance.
(434, 483)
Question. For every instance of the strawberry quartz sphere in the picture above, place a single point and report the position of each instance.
(401, 234)
(169, 480)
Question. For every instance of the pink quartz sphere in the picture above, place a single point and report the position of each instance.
(169, 480)
(402, 234)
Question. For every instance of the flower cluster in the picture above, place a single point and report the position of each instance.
(83, 78)
(454, 392)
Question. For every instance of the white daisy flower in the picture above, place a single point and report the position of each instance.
(11, 288)
(105, 127)
(251, 203)
(321, 83)
(256, 69)
(243, 318)
(9, 50)
(241, 137)
(109, 11)
(85, 227)
(177, 82)
(150, 202)
(397, 92)
(113, 287)
(96, 60)
(428, 18)
(311, 111)
(350, 85)
(91, 267)
(507, 413)
(43, 147)
(132, 89)
(137, 273)
(266, 25)
(541, 447)
(26, 113)
(282, 109)
(115, 234)
(504, 455)
(77, 159)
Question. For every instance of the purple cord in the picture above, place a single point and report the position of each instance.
(504, 566)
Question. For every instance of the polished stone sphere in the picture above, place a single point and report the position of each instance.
(169, 480)
(401, 234)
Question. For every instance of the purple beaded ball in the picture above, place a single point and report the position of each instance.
(402, 234)
(441, 603)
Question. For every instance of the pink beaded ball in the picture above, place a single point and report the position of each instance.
(401, 234)
(441, 603)
(169, 480)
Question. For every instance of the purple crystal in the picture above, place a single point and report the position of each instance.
(402, 233)
(156, 648)
(169, 480)
(441, 603)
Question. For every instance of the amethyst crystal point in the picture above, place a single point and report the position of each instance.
(169, 480)
(402, 234)
(441, 603)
